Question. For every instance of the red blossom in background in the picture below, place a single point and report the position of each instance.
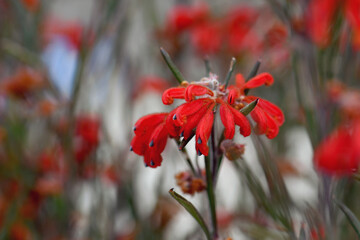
(72, 32)
(31, 5)
(24, 82)
(339, 153)
(87, 136)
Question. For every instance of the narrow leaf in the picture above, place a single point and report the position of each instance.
(254, 70)
(355, 223)
(192, 210)
(231, 69)
(248, 108)
(302, 235)
(179, 77)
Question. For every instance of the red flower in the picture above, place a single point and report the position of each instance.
(31, 5)
(238, 24)
(24, 82)
(319, 21)
(196, 116)
(72, 32)
(268, 116)
(150, 138)
(182, 17)
(87, 134)
(206, 38)
(339, 153)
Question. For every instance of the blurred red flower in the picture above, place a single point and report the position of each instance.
(87, 135)
(339, 153)
(182, 17)
(24, 82)
(206, 38)
(71, 31)
(31, 5)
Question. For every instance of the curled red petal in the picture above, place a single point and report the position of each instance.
(203, 131)
(152, 159)
(266, 124)
(158, 139)
(241, 121)
(194, 90)
(139, 145)
(261, 120)
(171, 93)
(173, 129)
(240, 80)
(191, 122)
(147, 123)
(190, 108)
(227, 119)
(273, 110)
(234, 93)
(272, 127)
(259, 80)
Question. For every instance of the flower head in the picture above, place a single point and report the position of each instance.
(195, 117)
(339, 153)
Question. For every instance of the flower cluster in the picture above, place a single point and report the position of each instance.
(339, 153)
(233, 32)
(321, 15)
(203, 99)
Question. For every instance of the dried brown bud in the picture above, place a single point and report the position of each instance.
(232, 150)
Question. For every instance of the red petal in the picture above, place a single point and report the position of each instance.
(194, 90)
(203, 131)
(173, 129)
(273, 110)
(261, 120)
(234, 93)
(272, 127)
(240, 80)
(192, 122)
(152, 159)
(158, 139)
(228, 121)
(259, 80)
(171, 93)
(139, 145)
(266, 124)
(147, 123)
(188, 109)
(241, 121)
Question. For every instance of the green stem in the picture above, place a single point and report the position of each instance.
(210, 190)
(231, 69)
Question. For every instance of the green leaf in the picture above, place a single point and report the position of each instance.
(248, 108)
(179, 77)
(355, 223)
(231, 69)
(192, 210)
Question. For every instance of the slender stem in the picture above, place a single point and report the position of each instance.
(210, 188)
(231, 69)
(187, 158)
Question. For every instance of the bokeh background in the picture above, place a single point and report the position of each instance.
(75, 75)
